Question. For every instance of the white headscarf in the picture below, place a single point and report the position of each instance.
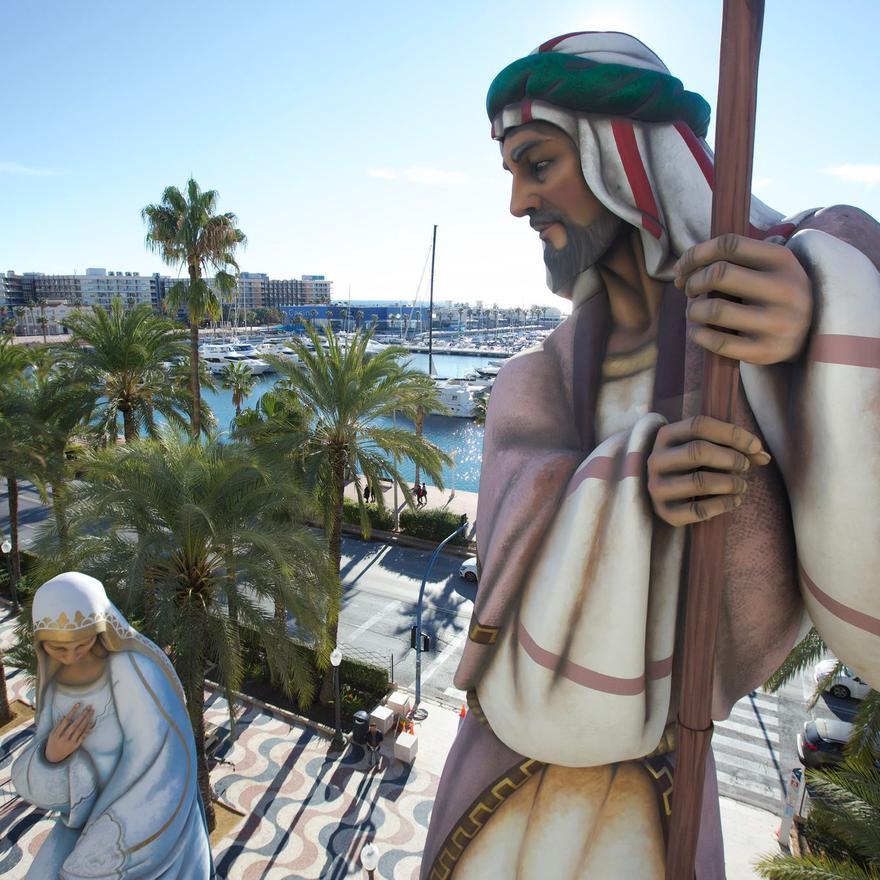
(657, 176)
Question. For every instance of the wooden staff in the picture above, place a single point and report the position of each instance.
(734, 142)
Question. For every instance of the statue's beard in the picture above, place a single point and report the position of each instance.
(584, 246)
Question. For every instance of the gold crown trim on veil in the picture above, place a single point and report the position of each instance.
(63, 629)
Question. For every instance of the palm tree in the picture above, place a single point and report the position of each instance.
(239, 378)
(842, 827)
(200, 538)
(20, 430)
(187, 233)
(61, 403)
(344, 392)
(123, 354)
(41, 302)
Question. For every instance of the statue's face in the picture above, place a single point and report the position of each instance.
(69, 653)
(548, 187)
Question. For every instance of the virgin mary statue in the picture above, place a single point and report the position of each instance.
(114, 753)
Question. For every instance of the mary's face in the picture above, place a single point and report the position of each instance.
(69, 653)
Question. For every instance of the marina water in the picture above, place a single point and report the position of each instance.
(460, 438)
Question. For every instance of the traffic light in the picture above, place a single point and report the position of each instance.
(426, 640)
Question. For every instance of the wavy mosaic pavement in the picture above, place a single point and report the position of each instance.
(307, 815)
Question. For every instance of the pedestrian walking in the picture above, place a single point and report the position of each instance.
(367, 493)
(424, 494)
(374, 742)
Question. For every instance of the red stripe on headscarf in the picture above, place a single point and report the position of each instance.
(550, 45)
(706, 166)
(526, 110)
(634, 168)
(698, 152)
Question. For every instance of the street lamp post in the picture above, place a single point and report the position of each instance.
(370, 859)
(338, 742)
(6, 547)
(440, 546)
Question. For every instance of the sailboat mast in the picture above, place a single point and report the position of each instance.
(431, 307)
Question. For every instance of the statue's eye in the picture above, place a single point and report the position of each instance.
(540, 167)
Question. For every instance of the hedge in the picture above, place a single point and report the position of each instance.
(379, 517)
(371, 681)
(433, 524)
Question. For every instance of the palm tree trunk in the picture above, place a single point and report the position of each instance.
(129, 429)
(195, 704)
(6, 713)
(59, 508)
(194, 376)
(420, 427)
(14, 559)
(334, 545)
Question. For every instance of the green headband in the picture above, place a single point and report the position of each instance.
(579, 84)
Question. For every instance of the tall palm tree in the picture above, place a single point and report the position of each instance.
(61, 403)
(344, 392)
(20, 433)
(16, 456)
(239, 378)
(185, 532)
(186, 232)
(124, 354)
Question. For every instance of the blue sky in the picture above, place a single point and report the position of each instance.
(340, 134)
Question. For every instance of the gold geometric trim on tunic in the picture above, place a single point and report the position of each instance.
(492, 798)
(483, 635)
(619, 366)
(658, 774)
(478, 815)
(474, 707)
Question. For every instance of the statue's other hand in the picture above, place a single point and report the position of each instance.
(771, 323)
(69, 733)
(695, 470)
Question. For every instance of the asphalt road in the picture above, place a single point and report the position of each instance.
(380, 593)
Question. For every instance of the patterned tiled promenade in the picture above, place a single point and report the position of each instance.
(306, 814)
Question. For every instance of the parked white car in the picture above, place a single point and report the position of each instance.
(844, 685)
(468, 569)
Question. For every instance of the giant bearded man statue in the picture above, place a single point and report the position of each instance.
(594, 461)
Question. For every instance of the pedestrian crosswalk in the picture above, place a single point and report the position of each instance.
(747, 753)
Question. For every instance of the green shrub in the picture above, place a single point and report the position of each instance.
(432, 524)
(379, 517)
(370, 681)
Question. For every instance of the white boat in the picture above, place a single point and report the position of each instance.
(457, 395)
(278, 349)
(218, 357)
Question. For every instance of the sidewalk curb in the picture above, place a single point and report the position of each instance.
(383, 537)
(284, 714)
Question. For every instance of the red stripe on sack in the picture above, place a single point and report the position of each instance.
(525, 108)
(853, 351)
(589, 678)
(848, 615)
(634, 168)
(606, 467)
(550, 45)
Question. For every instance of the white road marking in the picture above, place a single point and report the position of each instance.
(448, 651)
(387, 609)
